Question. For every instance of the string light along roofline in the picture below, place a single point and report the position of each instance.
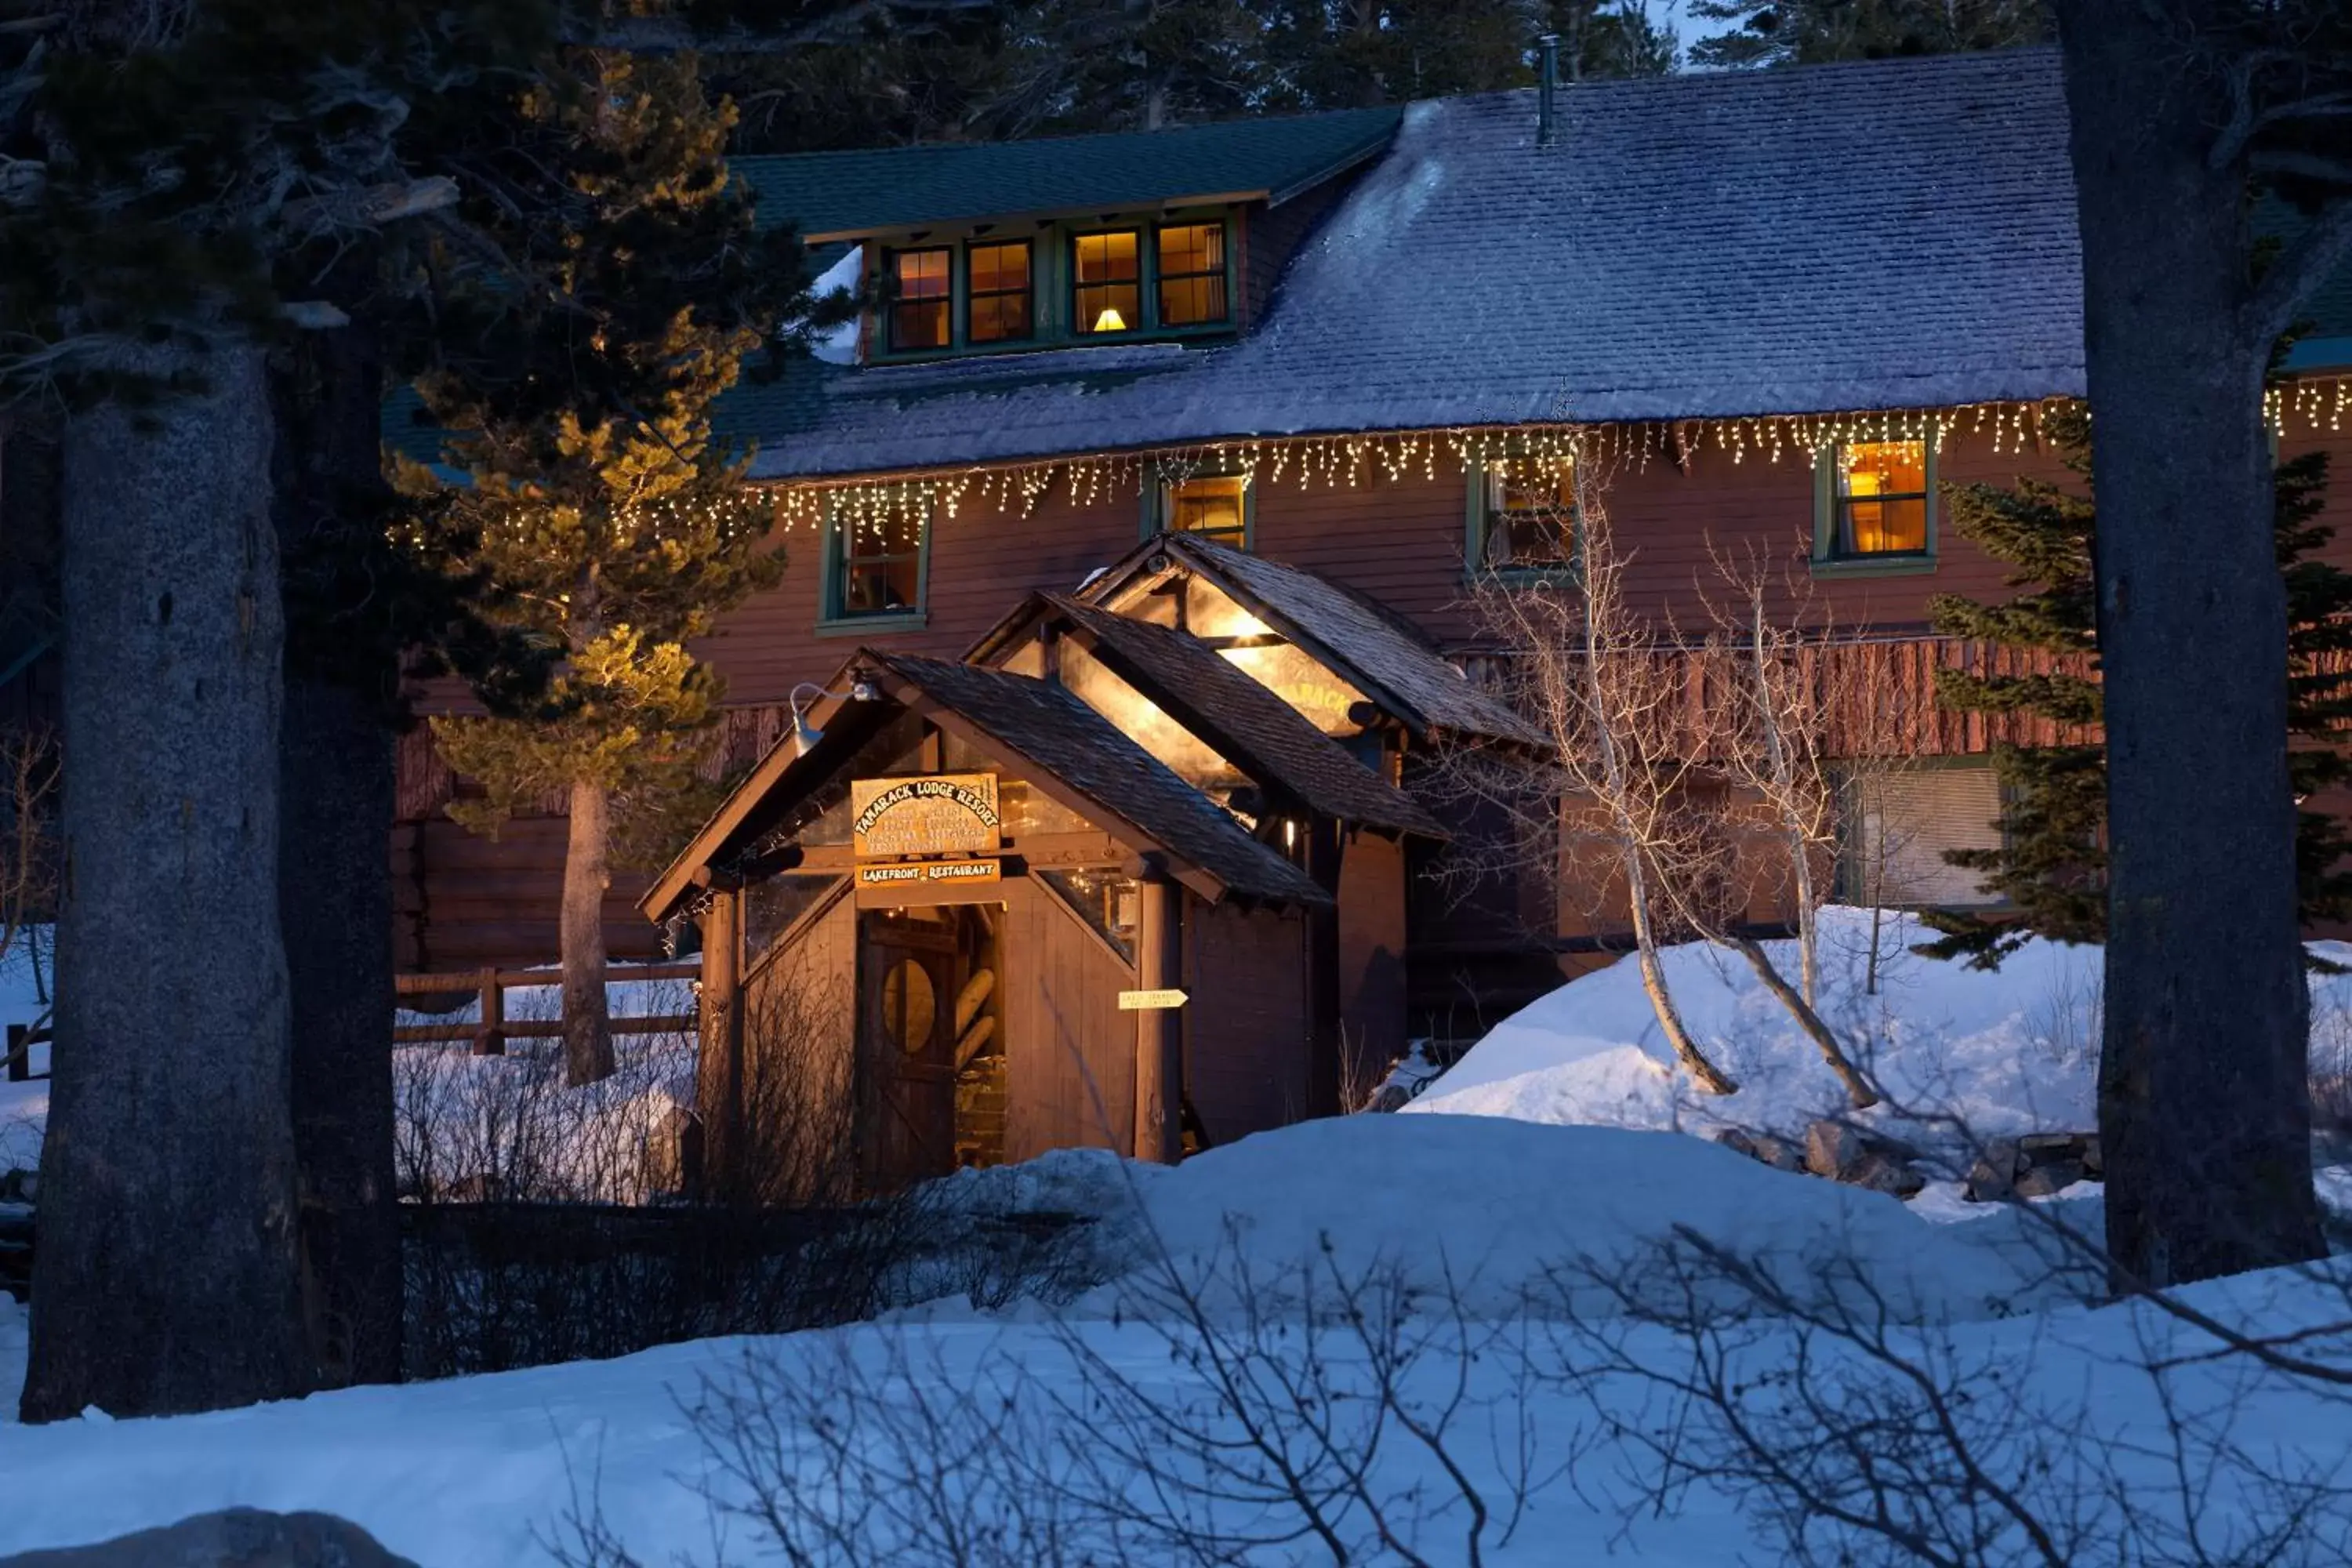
(1352, 461)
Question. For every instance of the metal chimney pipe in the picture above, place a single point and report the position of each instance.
(1548, 51)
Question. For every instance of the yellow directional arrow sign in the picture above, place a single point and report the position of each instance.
(1148, 1001)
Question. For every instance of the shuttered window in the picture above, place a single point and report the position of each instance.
(1899, 824)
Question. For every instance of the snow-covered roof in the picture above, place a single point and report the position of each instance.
(1881, 233)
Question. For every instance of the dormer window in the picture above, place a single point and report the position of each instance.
(1107, 281)
(1008, 286)
(922, 289)
(997, 306)
(1193, 290)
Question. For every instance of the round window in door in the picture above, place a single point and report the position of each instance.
(909, 1005)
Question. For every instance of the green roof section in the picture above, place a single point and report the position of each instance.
(842, 194)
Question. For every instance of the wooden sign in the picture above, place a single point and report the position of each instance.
(1150, 1000)
(931, 873)
(939, 814)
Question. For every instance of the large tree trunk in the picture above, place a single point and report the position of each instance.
(587, 1030)
(2203, 1110)
(334, 885)
(166, 1278)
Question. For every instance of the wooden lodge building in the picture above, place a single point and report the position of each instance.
(1144, 503)
(1139, 512)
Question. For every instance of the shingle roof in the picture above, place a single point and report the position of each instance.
(1362, 641)
(1256, 729)
(1878, 234)
(1047, 725)
(833, 194)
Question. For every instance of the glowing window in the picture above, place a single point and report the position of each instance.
(1107, 281)
(1215, 506)
(1878, 498)
(920, 292)
(1525, 519)
(996, 292)
(877, 567)
(1192, 274)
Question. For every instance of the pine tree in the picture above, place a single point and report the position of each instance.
(172, 181)
(581, 369)
(2051, 868)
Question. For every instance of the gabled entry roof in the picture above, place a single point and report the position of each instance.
(1068, 749)
(1064, 740)
(1355, 639)
(1238, 718)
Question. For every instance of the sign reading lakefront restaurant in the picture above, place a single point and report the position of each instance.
(939, 814)
(929, 873)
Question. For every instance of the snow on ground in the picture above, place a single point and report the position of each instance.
(1488, 1209)
(23, 1107)
(482, 1470)
(2004, 1052)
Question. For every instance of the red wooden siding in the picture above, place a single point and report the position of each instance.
(1398, 541)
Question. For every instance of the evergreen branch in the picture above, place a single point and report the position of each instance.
(2300, 270)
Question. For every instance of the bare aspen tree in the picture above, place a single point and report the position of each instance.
(29, 783)
(1608, 695)
(1770, 736)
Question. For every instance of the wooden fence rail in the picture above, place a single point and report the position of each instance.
(22, 1038)
(491, 1032)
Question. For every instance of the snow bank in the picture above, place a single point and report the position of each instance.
(23, 1107)
(1513, 1217)
(2012, 1050)
(2005, 1051)
(479, 1472)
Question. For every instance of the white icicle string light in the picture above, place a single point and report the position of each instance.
(1353, 461)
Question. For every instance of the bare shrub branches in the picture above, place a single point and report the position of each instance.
(1609, 695)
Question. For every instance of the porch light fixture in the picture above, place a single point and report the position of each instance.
(1110, 321)
(806, 735)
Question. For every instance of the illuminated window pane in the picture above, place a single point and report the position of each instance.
(1530, 515)
(919, 313)
(878, 565)
(1216, 506)
(1880, 499)
(1107, 294)
(1192, 274)
(997, 287)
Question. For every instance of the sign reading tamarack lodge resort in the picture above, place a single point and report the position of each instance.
(942, 813)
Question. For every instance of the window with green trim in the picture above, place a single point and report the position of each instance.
(997, 292)
(1523, 518)
(1877, 502)
(1216, 506)
(876, 566)
(1192, 289)
(921, 292)
(1106, 282)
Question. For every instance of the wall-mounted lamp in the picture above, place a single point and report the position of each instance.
(806, 735)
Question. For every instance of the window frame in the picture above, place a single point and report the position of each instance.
(1143, 285)
(966, 294)
(835, 616)
(891, 305)
(1223, 271)
(1160, 493)
(1827, 562)
(1482, 478)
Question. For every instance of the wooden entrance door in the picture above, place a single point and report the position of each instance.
(908, 974)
